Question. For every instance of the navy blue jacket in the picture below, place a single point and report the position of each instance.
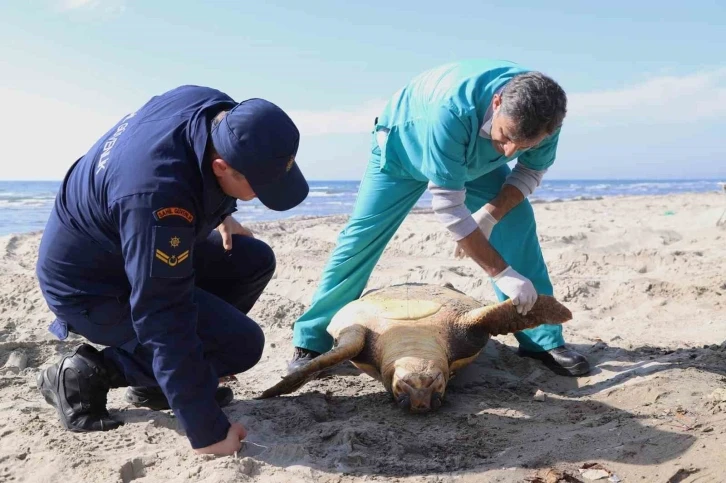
(131, 209)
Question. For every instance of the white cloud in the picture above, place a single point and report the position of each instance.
(74, 4)
(338, 121)
(42, 136)
(667, 99)
(109, 7)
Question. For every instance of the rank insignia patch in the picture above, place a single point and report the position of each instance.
(172, 252)
(172, 260)
(173, 211)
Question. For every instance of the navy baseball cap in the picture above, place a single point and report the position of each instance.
(260, 141)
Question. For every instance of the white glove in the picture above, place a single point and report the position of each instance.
(518, 288)
(486, 223)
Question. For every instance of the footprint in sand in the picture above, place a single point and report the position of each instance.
(134, 469)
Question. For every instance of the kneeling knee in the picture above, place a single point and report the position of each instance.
(257, 345)
(259, 252)
(248, 352)
(269, 261)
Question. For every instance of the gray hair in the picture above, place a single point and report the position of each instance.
(536, 103)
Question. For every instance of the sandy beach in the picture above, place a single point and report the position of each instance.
(645, 278)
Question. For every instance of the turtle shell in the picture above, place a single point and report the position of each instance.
(399, 314)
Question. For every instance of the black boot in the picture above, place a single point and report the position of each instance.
(300, 357)
(77, 387)
(561, 360)
(154, 398)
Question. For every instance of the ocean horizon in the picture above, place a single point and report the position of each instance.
(25, 205)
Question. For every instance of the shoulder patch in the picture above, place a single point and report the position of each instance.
(173, 211)
(171, 255)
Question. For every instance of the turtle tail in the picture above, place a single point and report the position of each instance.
(502, 318)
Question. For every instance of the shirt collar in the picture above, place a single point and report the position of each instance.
(485, 130)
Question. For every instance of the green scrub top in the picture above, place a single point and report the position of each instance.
(434, 124)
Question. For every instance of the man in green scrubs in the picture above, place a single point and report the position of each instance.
(452, 130)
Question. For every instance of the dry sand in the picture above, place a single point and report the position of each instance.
(648, 290)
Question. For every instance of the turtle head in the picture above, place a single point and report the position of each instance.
(418, 387)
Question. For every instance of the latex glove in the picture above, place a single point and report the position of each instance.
(230, 227)
(486, 223)
(518, 288)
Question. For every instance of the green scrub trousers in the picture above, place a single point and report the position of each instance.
(382, 204)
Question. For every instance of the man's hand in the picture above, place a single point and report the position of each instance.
(230, 227)
(512, 284)
(518, 288)
(228, 446)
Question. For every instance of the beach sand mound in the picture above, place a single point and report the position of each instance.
(644, 276)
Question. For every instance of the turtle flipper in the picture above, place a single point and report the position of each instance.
(502, 318)
(349, 344)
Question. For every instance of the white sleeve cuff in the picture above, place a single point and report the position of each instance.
(451, 211)
(525, 179)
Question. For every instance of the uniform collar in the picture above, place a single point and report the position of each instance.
(213, 196)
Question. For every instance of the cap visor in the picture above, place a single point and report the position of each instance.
(285, 193)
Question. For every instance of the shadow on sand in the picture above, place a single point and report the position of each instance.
(348, 424)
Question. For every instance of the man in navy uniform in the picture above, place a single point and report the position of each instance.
(140, 254)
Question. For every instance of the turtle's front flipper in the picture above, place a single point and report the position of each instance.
(349, 344)
(503, 318)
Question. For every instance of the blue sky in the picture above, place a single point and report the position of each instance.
(647, 85)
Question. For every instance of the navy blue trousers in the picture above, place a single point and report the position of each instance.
(227, 286)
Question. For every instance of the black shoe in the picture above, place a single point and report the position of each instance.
(77, 387)
(154, 398)
(561, 360)
(301, 357)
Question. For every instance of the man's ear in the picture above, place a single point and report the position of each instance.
(496, 102)
(219, 167)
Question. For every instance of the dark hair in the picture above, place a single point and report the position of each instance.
(535, 103)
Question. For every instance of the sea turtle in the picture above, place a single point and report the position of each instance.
(414, 337)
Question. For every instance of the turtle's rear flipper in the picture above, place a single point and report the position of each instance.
(503, 318)
(349, 344)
